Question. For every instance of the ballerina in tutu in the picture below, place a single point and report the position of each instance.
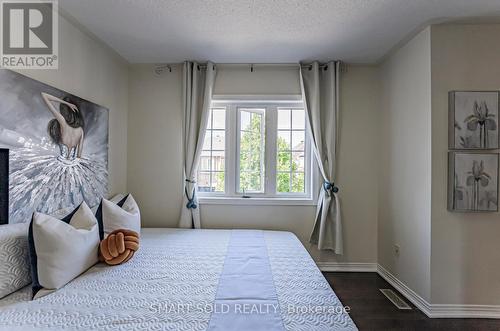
(47, 183)
(66, 129)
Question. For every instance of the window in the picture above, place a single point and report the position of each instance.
(256, 150)
(211, 173)
(251, 148)
(290, 175)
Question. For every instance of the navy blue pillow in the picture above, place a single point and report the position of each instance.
(98, 215)
(35, 285)
(4, 186)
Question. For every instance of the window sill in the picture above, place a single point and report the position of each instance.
(256, 201)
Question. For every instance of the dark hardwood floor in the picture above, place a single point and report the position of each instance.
(371, 310)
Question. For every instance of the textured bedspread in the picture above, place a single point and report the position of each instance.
(180, 280)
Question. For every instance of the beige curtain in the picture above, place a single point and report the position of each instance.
(320, 92)
(197, 90)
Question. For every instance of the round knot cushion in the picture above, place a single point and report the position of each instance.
(119, 246)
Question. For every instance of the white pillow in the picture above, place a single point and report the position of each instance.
(14, 258)
(62, 249)
(122, 215)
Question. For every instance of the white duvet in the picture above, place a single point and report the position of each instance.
(171, 284)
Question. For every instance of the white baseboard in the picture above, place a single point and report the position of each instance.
(439, 310)
(347, 267)
(407, 292)
(465, 311)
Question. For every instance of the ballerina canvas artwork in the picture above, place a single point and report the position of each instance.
(58, 147)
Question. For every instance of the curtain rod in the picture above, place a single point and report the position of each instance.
(161, 68)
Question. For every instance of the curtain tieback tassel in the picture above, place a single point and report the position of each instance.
(191, 204)
(191, 201)
(330, 187)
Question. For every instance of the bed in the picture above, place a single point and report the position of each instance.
(191, 280)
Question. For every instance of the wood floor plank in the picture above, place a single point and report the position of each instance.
(372, 311)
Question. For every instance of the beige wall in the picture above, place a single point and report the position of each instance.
(155, 145)
(465, 247)
(459, 263)
(264, 80)
(89, 69)
(154, 154)
(405, 164)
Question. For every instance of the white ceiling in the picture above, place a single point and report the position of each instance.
(268, 31)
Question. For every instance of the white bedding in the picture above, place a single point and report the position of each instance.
(171, 284)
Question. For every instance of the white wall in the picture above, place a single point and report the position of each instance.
(155, 168)
(465, 246)
(405, 164)
(89, 69)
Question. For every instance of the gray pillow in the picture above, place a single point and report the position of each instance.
(14, 258)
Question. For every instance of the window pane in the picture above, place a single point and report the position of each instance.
(218, 161)
(204, 161)
(298, 140)
(207, 145)
(251, 151)
(245, 120)
(283, 140)
(291, 151)
(245, 161)
(219, 118)
(218, 140)
(256, 161)
(255, 124)
(250, 182)
(212, 163)
(204, 182)
(283, 182)
(298, 119)
(283, 162)
(297, 161)
(252, 140)
(218, 182)
(250, 161)
(284, 119)
(298, 182)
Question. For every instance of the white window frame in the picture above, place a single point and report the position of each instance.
(269, 197)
